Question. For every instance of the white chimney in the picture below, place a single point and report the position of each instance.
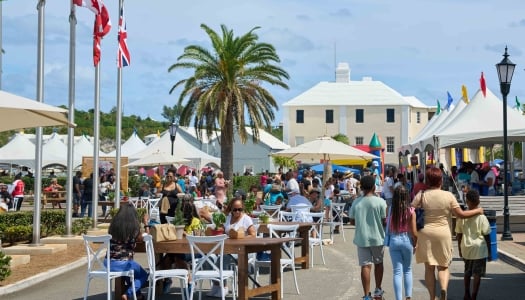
(342, 73)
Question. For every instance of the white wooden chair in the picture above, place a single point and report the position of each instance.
(277, 231)
(155, 274)
(272, 210)
(286, 216)
(96, 267)
(201, 258)
(316, 235)
(300, 211)
(336, 219)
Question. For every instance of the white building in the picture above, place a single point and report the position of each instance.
(357, 109)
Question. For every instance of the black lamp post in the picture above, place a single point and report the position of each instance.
(173, 133)
(505, 71)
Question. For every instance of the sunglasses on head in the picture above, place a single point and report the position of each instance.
(237, 209)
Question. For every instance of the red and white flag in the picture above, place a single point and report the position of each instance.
(102, 24)
(123, 57)
(483, 85)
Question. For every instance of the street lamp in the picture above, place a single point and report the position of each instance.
(173, 133)
(505, 71)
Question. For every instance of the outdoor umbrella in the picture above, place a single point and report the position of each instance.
(157, 159)
(18, 112)
(324, 149)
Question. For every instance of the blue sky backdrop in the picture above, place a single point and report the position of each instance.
(420, 48)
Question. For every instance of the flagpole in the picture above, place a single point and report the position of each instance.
(38, 144)
(71, 120)
(119, 123)
(1, 44)
(96, 146)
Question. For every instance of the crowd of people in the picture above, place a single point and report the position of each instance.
(382, 210)
(389, 219)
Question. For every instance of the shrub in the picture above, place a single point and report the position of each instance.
(5, 268)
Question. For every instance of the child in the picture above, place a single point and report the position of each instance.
(474, 246)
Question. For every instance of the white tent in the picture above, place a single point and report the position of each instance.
(480, 123)
(54, 151)
(21, 151)
(181, 149)
(83, 147)
(132, 145)
(450, 118)
(417, 145)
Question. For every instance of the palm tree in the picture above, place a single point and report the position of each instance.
(172, 114)
(226, 89)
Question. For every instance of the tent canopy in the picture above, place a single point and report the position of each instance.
(182, 148)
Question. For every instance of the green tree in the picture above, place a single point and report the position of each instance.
(284, 162)
(226, 88)
(172, 114)
(341, 138)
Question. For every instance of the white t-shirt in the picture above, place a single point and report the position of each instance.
(329, 191)
(489, 175)
(387, 186)
(292, 185)
(245, 222)
(193, 181)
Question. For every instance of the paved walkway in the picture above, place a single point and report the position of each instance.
(338, 279)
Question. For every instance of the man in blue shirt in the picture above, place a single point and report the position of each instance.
(368, 214)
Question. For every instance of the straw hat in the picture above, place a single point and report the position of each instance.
(348, 174)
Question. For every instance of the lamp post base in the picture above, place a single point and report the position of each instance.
(506, 236)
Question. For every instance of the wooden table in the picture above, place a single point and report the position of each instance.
(56, 197)
(241, 247)
(304, 235)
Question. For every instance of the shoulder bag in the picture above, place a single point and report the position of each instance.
(163, 232)
(420, 213)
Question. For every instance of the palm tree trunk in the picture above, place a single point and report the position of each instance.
(227, 149)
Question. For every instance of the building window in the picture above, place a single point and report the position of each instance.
(299, 140)
(329, 116)
(418, 117)
(299, 116)
(359, 115)
(390, 115)
(390, 144)
(359, 140)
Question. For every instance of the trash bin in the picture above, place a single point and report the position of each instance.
(491, 216)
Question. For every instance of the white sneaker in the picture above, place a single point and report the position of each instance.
(378, 293)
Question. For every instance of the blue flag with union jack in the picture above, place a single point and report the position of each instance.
(123, 57)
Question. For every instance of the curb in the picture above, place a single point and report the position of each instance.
(20, 285)
(511, 260)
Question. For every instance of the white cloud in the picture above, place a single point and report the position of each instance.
(420, 48)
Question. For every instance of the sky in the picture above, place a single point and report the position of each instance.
(419, 48)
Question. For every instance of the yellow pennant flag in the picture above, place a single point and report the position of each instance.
(464, 94)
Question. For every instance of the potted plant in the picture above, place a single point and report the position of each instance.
(218, 219)
(179, 221)
(249, 205)
(264, 218)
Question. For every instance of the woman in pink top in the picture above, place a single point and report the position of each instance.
(221, 185)
(403, 238)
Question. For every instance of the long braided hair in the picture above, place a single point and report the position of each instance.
(400, 208)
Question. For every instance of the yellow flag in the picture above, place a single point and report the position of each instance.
(464, 94)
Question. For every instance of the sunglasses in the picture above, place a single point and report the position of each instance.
(237, 209)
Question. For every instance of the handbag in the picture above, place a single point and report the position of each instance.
(387, 234)
(163, 232)
(420, 213)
